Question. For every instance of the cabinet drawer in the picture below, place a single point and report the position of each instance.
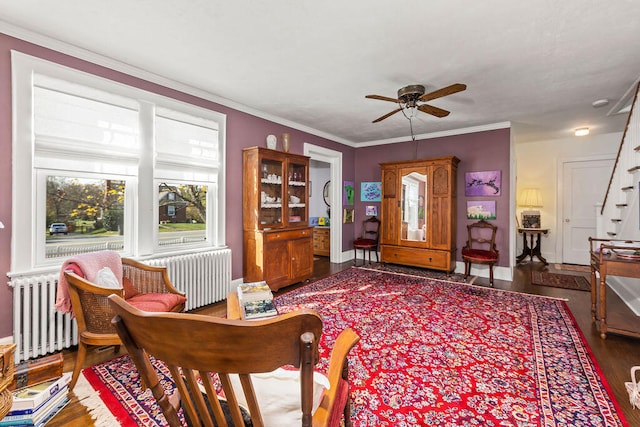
(427, 258)
(287, 235)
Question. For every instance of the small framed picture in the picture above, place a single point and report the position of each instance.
(481, 209)
(371, 211)
(348, 216)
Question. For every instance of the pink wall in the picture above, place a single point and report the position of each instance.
(482, 151)
(243, 130)
(485, 151)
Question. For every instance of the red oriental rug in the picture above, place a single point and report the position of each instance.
(432, 353)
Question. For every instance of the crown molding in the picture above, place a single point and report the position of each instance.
(113, 64)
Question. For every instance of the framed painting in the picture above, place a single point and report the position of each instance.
(487, 183)
(371, 211)
(481, 209)
(348, 216)
(348, 193)
(371, 191)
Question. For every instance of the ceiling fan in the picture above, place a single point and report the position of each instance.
(410, 99)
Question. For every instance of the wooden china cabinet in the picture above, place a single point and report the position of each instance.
(419, 213)
(277, 238)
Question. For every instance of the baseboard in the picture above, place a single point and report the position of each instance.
(499, 273)
(6, 340)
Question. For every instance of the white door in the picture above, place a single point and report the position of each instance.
(584, 185)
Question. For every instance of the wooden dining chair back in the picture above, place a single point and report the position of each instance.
(480, 247)
(196, 346)
(368, 240)
(147, 286)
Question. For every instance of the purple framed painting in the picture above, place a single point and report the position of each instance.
(487, 183)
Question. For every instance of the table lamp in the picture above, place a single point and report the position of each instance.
(531, 198)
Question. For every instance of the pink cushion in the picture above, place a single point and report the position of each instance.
(341, 400)
(130, 291)
(480, 254)
(156, 302)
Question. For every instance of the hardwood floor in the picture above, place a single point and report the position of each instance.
(615, 355)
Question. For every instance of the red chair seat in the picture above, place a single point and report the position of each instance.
(156, 302)
(365, 242)
(480, 255)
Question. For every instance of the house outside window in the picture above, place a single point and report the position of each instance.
(92, 151)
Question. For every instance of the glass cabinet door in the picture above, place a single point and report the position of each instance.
(413, 206)
(271, 182)
(297, 193)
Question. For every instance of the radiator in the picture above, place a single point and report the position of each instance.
(39, 329)
(204, 277)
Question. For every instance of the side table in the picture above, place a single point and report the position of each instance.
(531, 249)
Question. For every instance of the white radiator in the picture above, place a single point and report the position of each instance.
(39, 329)
(204, 277)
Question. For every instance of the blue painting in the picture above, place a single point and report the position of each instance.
(371, 192)
(486, 183)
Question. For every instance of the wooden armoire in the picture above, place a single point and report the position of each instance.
(419, 213)
(277, 238)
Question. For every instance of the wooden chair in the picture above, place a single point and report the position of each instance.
(151, 289)
(195, 346)
(368, 240)
(480, 247)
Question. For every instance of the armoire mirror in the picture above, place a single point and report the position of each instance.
(414, 192)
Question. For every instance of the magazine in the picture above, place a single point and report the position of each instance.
(252, 310)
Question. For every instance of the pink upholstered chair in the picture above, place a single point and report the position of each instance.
(144, 287)
(480, 247)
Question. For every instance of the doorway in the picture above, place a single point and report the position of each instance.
(583, 183)
(334, 159)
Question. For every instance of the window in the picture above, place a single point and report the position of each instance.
(104, 159)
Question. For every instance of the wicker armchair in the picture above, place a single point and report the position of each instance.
(145, 287)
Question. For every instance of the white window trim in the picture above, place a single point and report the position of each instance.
(24, 256)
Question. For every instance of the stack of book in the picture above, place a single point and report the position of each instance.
(256, 301)
(37, 404)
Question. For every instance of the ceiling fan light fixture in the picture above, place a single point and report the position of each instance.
(582, 131)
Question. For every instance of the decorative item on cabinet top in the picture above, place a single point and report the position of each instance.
(271, 142)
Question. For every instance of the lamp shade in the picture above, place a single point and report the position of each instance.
(531, 197)
(1, 224)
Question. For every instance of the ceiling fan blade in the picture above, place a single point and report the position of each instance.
(379, 119)
(383, 98)
(449, 90)
(434, 111)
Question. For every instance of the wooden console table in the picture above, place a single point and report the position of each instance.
(608, 258)
(531, 250)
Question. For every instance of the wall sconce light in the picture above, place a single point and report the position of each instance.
(1, 224)
(582, 131)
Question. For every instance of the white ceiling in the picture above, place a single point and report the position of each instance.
(537, 64)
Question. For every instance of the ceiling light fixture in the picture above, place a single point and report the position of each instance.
(582, 131)
(600, 103)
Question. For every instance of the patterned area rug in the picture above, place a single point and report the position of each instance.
(416, 271)
(573, 267)
(565, 281)
(432, 353)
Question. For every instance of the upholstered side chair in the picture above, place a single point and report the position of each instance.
(144, 286)
(480, 247)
